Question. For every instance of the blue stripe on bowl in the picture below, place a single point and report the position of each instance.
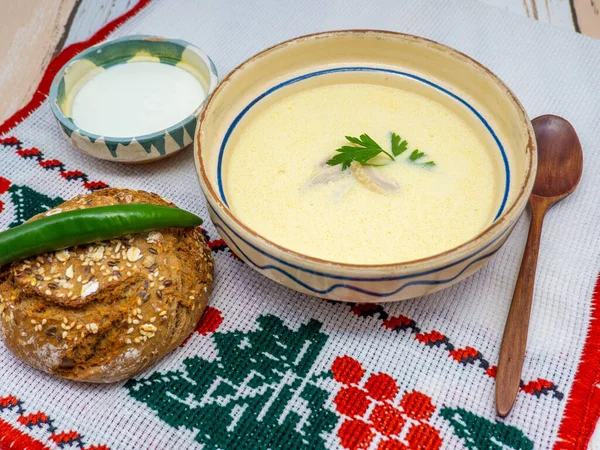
(361, 69)
(355, 288)
(228, 230)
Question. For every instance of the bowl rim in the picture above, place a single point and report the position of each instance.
(494, 230)
(126, 140)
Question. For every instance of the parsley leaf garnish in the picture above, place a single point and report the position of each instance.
(416, 155)
(365, 149)
(398, 145)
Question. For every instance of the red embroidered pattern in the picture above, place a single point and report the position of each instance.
(13, 437)
(583, 407)
(465, 355)
(33, 419)
(210, 321)
(371, 412)
(66, 438)
(10, 402)
(50, 164)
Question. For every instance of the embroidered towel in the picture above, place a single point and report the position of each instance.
(270, 368)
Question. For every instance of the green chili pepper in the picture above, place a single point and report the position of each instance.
(84, 226)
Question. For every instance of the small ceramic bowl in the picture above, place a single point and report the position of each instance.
(131, 149)
(434, 66)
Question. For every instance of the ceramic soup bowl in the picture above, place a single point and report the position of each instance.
(430, 65)
(130, 49)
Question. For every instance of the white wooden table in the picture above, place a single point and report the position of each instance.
(33, 31)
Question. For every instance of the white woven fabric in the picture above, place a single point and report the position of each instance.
(549, 70)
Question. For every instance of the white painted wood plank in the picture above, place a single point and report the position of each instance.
(588, 16)
(521, 7)
(34, 33)
(29, 33)
(555, 12)
(94, 14)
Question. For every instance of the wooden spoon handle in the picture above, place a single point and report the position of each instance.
(512, 351)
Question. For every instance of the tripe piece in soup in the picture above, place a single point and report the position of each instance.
(136, 98)
(277, 182)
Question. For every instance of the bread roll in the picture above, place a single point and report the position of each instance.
(103, 312)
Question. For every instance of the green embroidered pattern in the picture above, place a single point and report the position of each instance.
(28, 203)
(258, 393)
(482, 434)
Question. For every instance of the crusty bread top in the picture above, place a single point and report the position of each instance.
(75, 312)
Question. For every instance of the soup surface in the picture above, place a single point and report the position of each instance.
(277, 182)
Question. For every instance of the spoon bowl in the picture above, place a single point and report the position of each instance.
(560, 159)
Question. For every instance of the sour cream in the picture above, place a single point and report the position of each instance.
(136, 98)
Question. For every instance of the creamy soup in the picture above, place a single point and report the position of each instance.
(277, 183)
(136, 98)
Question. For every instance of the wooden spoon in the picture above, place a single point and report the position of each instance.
(560, 163)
